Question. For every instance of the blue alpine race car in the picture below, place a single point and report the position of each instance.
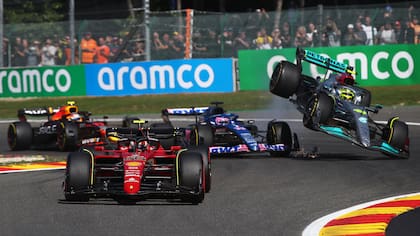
(224, 133)
(335, 105)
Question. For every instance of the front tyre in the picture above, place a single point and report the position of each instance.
(190, 175)
(67, 136)
(285, 79)
(202, 135)
(79, 176)
(279, 132)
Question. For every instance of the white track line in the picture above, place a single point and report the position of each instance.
(315, 227)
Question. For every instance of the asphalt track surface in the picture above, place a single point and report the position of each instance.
(250, 195)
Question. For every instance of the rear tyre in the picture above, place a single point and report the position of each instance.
(396, 134)
(190, 175)
(285, 79)
(128, 122)
(202, 135)
(67, 136)
(78, 176)
(278, 132)
(19, 136)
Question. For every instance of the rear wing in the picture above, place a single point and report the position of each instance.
(192, 111)
(325, 62)
(41, 111)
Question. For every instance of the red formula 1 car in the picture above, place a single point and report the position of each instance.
(135, 167)
(66, 128)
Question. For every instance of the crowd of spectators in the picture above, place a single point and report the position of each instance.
(257, 33)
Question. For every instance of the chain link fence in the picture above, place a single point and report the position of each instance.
(199, 34)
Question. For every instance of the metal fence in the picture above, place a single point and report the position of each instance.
(213, 34)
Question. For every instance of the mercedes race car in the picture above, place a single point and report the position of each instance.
(224, 133)
(132, 167)
(66, 128)
(335, 105)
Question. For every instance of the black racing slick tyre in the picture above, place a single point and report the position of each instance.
(79, 177)
(204, 152)
(19, 136)
(396, 134)
(279, 132)
(128, 122)
(320, 110)
(67, 136)
(366, 98)
(285, 79)
(202, 135)
(190, 175)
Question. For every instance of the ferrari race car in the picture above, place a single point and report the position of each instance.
(336, 106)
(224, 133)
(132, 167)
(66, 128)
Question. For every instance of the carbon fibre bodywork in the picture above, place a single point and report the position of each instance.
(338, 108)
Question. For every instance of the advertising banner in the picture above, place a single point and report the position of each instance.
(42, 82)
(383, 65)
(160, 77)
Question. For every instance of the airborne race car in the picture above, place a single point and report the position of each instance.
(224, 133)
(67, 128)
(336, 106)
(135, 167)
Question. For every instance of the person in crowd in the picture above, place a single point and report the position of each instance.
(212, 45)
(165, 51)
(102, 52)
(199, 45)
(354, 35)
(370, 31)
(88, 47)
(241, 42)
(226, 41)
(257, 20)
(276, 35)
(398, 32)
(48, 53)
(286, 37)
(138, 51)
(312, 35)
(18, 53)
(387, 35)
(331, 35)
(301, 39)
(414, 24)
(67, 51)
(157, 46)
(177, 45)
(263, 41)
(33, 54)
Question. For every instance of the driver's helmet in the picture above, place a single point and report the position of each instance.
(345, 79)
(75, 117)
(346, 94)
(142, 145)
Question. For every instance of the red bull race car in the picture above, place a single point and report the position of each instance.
(66, 128)
(133, 166)
(335, 105)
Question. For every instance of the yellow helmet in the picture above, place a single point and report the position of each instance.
(346, 94)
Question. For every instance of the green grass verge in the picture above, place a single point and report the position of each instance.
(244, 100)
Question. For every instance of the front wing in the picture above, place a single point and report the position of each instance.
(243, 148)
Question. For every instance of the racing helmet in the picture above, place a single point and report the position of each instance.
(74, 117)
(346, 94)
(345, 79)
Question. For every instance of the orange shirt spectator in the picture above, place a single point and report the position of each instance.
(102, 51)
(67, 52)
(88, 46)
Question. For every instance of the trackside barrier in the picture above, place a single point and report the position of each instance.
(384, 65)
(120, 79)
